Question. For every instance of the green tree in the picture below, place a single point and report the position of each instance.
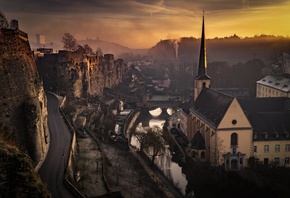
(3, 20)
(69, 42)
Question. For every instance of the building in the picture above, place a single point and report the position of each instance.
(273, 86)
(278, 83)
(224, 127)
(40, 40)
(14, 24)
(227, 130)
(269, 118)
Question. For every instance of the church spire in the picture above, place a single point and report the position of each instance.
(202, 80)
(202, 66)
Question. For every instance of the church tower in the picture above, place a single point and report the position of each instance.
(201, 80)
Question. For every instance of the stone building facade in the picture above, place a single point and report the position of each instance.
(78, 74)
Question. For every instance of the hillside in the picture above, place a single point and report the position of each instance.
(229, 49)
(17, 176)
(118, 50)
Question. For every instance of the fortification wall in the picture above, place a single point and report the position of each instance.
(77, 74)
(23, 118)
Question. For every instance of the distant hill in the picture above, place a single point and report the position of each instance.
(112, 48)
(229, 49)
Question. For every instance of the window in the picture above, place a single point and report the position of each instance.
(286, 160)
(266, 135)
(234, 139)
(277, 148)
(287, 148)
(234, 122)
(277, 135)
(277, 160)
(266, 148)
(255, 149)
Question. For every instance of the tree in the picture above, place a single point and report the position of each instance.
(3, 21)
(69, 42)
(99, 52)
(88, 49)
(153, 143)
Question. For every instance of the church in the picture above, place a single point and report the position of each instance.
(227, 130)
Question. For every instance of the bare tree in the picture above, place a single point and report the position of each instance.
(3, 20)
(219, 151)
(88, 49)
(99, 52)
(69, 42)
(140, 136)
(153, 143)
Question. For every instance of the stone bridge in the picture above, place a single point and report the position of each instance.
(164, 102)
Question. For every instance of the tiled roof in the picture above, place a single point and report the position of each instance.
(212, 105)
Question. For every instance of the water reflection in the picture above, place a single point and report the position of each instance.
(157, 111)
(170, 169)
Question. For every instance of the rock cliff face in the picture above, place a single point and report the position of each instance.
(23, 118)
(78, 74)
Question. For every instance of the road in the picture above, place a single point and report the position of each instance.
(52, 169)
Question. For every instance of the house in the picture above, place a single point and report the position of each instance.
(269, 118)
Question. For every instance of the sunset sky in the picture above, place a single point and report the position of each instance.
(142, 23)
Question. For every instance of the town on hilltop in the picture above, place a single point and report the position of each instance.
(81, 123)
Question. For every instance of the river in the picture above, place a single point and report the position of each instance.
(170, 169)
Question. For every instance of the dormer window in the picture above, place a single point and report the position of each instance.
(285, 86)
(287, 134)
(266, 135)
(277, 135)
(270, 81)
(277, 84)
(255, 136)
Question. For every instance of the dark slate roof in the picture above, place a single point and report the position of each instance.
(198, 142)
(212, 105)
(269, 117)
(251, 105)
(236, 92)
(187, 105)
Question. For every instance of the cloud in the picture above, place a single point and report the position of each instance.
(128, 22)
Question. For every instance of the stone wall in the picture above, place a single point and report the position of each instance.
(79, 75)
(23, 118)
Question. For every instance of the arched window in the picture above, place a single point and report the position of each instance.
(203, 84)
(202, 155)
(234, 139)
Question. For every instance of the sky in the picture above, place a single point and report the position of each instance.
(143, 23)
